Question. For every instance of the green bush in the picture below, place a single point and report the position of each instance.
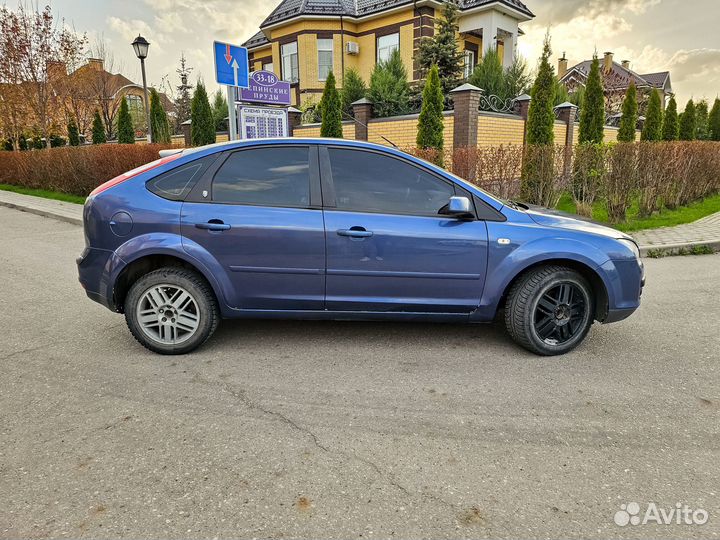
(354, 89)
(389, 88)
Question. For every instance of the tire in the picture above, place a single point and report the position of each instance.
(549, 310)
(171, 310)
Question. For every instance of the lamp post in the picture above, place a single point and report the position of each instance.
(141, 46)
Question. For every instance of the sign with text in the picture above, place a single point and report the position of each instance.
(262, 122)
(231, 65)
(266, 87)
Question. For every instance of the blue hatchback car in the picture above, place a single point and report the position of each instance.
(335, 229)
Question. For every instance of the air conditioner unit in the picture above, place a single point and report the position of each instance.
(352, 47)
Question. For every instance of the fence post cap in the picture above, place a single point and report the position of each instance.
(566, 105)
(523, 97)
(467, 87)
(361, 101)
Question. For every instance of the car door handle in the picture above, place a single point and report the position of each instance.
(355, 232)
(213, 225)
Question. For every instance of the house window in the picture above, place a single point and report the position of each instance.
(469, 63)
(325, 58)
(290, 70)
(269, 67)
(386, 45)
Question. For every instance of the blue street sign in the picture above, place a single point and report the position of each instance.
(231, 65)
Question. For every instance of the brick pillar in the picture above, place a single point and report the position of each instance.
(522, 103)
(362, 111)
(566, 113)
(467, 107)
(187, 133)
(294, 120)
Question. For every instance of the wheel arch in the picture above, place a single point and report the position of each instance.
(599, 288)
(146, 263)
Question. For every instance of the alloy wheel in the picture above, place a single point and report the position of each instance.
(168, 314)
(560, 313)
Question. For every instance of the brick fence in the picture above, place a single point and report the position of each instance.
(465, 126)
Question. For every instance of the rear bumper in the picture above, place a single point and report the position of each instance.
(94, 268)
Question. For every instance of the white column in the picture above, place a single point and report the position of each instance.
(510, 47)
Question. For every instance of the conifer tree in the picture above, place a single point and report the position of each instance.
(126, 133)
(443, 50)
(714, 121)
(331, 110)
(652, 129)
(354, 88)
(702, 127)
(389, 88)
(670, 121)
(430, 123)
(73, 133)
(592, 110)
(541, 117)
(98, 129)
(158, 117)
(202, 128)
(687, 123)
(628, 122)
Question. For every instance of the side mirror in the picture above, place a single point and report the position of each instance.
(458, 207)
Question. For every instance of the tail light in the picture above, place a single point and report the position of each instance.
(130, 174)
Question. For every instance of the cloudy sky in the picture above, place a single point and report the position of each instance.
(655, 35)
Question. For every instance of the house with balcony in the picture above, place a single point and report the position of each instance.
(303, 40)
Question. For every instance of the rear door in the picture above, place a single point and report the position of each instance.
(259, 214)
(388, 248)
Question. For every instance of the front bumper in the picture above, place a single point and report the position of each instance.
(626, 279)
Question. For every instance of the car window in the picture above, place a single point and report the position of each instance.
(278, 176)
(372, 182)
(177, 183)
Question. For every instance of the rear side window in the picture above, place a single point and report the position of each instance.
(278, 176)
(177, 183)
(372, 182)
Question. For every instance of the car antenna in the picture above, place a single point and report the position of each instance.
(350, 117)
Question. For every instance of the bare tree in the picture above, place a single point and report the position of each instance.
(106, 85)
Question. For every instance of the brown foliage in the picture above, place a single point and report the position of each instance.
(74, 169)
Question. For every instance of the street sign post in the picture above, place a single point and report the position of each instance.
(231, 69)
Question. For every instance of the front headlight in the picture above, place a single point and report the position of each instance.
(630, 244)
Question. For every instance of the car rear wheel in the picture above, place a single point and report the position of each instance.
(549, 310)
(171, 310)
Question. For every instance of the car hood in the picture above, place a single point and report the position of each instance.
(549, 219)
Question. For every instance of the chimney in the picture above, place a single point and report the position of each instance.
(608, 62)
(626, 64)
(562, 66)
(95, 63)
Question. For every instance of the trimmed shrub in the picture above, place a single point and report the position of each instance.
(670, 121)
(592, 110)
(686, 132)
(628, 122)
(74, 170)
(202, 129)
(159, 120)
(652, 128)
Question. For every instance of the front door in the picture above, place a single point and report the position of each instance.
(388, 248)
(264, 226)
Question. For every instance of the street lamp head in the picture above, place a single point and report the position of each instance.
(141, 46)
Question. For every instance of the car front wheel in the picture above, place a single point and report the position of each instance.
(171, 310)
(549, 310)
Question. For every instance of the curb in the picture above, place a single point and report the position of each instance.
(663, 250)
(44, 213)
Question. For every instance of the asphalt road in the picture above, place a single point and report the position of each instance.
(348, 430)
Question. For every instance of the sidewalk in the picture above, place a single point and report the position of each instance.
(64, 211)
(669, 240)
